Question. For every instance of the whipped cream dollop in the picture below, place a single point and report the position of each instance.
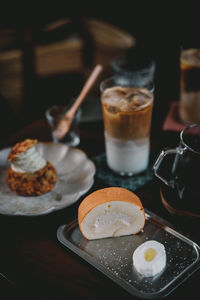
(29, 161)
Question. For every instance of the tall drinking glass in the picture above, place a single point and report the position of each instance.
(127, 113)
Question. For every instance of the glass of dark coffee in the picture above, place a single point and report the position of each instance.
(185, 167)
(190, 85)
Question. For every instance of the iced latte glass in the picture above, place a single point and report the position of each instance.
(127, 112)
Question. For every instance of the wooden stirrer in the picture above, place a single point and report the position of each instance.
(65, 122)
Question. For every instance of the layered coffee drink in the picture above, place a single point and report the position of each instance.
(190, 86)
(127, 115)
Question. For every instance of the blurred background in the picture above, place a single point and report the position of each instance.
(46, 53)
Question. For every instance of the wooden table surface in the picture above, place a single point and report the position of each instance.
(34, 265)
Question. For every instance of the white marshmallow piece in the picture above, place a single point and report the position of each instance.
(149, 259)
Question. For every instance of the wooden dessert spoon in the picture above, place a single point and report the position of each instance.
(65, 123)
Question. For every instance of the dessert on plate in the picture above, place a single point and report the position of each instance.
(149, 259)
(110, 212)
(113, 212)
(29, 174)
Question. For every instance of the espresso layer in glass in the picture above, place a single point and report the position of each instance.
(127, 112)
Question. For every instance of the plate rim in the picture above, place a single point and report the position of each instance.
(55, 207)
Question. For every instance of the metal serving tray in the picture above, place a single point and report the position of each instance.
(113, 256)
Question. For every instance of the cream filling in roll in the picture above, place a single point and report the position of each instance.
(111, 219)
(29, 161)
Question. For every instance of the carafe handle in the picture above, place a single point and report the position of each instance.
(158, 162)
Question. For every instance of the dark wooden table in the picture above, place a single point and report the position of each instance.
(34, 265)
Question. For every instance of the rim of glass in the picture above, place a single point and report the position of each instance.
(112, 79)
(49, 115)
(49, 110)
(182, 137)
(118, 61)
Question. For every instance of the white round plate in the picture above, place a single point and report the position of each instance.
(75, 178)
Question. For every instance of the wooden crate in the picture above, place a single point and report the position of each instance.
(59, 57)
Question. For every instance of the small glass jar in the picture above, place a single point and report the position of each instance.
(53, 116)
